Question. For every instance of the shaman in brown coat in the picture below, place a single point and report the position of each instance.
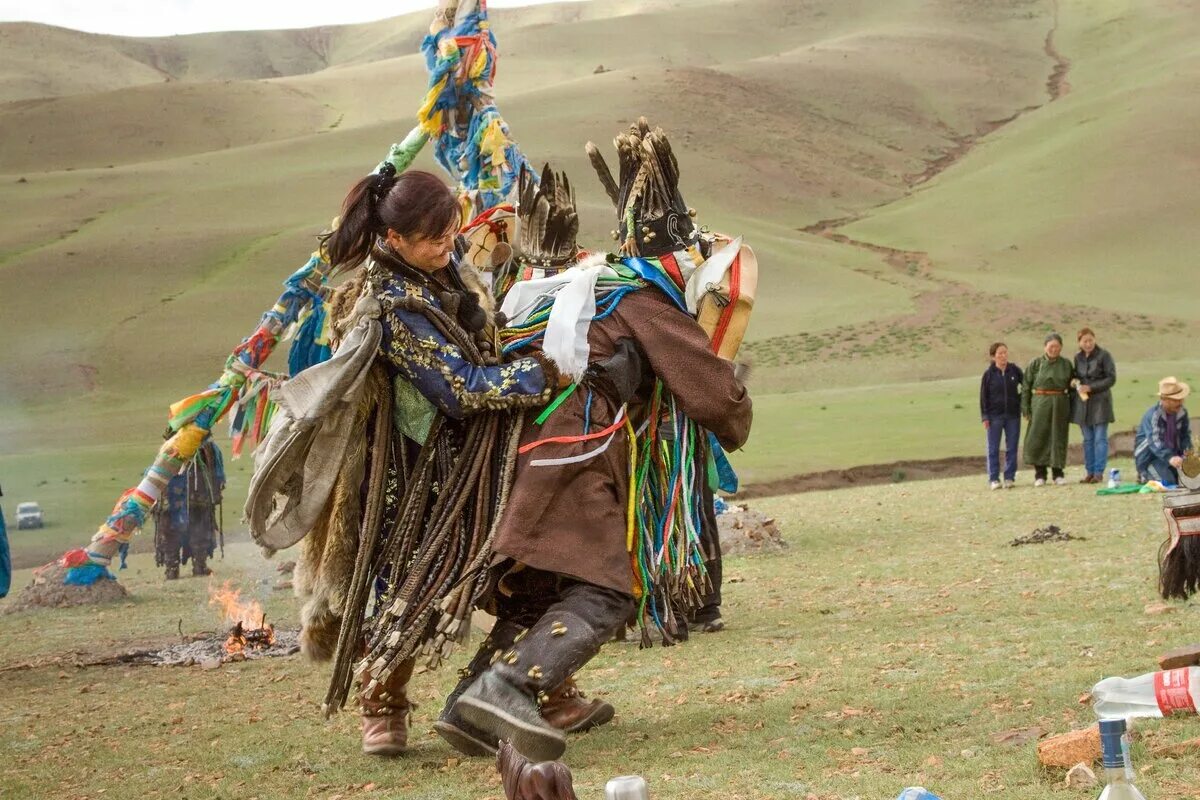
(571, 519)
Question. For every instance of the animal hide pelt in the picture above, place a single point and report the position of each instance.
(327, 554)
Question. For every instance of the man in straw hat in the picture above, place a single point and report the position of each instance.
(1164, 434)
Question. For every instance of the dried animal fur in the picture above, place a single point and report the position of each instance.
(326, 560)
(327, 554)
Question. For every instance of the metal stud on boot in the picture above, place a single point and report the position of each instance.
(385, 714)
(567, 709)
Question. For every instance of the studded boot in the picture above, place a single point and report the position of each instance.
(569, 710)
(503, 701)
(462, 735)
(385, 714)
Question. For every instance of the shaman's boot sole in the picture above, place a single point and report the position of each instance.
(534, 740)
(385, 749)
(463, 741)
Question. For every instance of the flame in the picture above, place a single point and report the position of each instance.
(230, 604)
(235, 643)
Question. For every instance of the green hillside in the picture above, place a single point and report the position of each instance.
(994, 169)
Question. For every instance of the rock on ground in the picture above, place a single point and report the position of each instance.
(1081, 776)
(47, 590)
(744, 530)
(1071, 748)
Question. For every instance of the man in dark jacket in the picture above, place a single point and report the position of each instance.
(1000, 410)
(1093, 406)
(1164, 434)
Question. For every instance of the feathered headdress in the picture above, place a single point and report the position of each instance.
(652, 218)
(547, 222)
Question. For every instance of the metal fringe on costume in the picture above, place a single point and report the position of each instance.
(436, 551)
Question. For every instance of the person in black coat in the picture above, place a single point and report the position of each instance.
(1000, 410)
(1093, 408)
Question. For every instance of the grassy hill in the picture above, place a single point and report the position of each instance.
(990, 170)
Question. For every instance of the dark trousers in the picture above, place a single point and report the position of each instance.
(1010, 428)
(1039, 471)
(193, 542)
(1157, 469)
(526, 596)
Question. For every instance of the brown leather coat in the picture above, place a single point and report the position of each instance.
(571, 519)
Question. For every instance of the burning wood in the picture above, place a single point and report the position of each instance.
(241, 638)
(250, 630)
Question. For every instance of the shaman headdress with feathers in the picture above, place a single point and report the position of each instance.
(652, 218)
(546, 220)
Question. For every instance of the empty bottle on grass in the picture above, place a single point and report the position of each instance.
(1118, 771)
(627, 787)
(1155, 694)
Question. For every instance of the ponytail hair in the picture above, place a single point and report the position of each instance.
(414, 204)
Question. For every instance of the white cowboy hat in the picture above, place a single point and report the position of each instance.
(1171, 388)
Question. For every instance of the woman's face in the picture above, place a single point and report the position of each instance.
(1087, 343)
(427, 255)
(1001, 357)
(1053, 348)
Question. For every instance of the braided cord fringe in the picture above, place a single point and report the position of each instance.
(436, 553)
(350, 632)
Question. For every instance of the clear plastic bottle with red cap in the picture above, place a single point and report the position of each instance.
(1155, 694)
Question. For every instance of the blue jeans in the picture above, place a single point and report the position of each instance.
(1095, 448)
(1157, 469)
(1011, 428)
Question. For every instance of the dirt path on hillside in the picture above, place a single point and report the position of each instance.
(944, 308)
(940, 304)
(1120, 445)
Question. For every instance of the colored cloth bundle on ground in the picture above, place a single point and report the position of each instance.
(1149, 487)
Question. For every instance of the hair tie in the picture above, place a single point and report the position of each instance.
(384, 179)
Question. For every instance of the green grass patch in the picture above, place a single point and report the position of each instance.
(886, 647)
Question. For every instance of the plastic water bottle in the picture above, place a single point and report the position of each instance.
(627, 787)
(1114, 478)
(917, 793)
(1118, 771)
(1155, 694)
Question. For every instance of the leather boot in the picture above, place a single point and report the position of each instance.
(567, 709)
(200, 567)
(385, 714)
(503, 701)
(462, 735)
(172, 572)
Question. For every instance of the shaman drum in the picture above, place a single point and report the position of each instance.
(724, 309)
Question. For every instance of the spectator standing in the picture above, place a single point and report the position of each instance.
(1093, 409)
(1164, 434)
(1000, 410)
(1046, 406)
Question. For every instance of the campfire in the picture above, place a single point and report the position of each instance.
(249, 630)
(245, 635)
